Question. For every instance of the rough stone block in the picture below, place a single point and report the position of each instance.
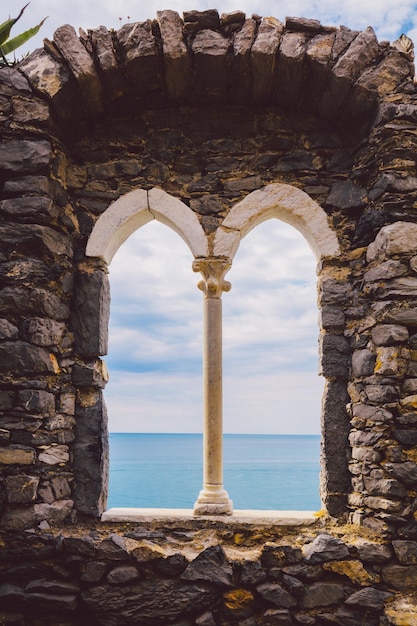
(389, 334)
(21, 489)
(332, 318)
(350, 64)
(24, 156)
(8, 330)
(240, 74)
(43, 331)
(113, 82)
(176, 58)
(363, 362)
(325, 548)
(45, 73)
(81, 65)
(21, 358)
(35, 239)
(322, 594)
(385, 271)
(90, 374)
(263, 58)
(334, 356)
(22, 301)
(391, 361)
(141, 57)
(37, 402)
(210, 62)
(91, 313)
(276, 594)
(397, 238)
(288, 77)
(15, 455)
(211, 566)
(54, 455)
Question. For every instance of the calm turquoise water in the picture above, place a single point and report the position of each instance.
(260, 471)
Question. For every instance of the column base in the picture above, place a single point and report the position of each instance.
(213, 500)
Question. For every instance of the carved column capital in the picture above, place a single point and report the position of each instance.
(213, 271)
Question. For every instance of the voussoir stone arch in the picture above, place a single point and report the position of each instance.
(137, 208)
(284, 202)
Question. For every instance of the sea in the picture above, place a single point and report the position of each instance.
(279, 472)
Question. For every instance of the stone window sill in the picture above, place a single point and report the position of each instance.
(249, 517)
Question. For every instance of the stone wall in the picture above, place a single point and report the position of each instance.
(196, 573)
(208, 110)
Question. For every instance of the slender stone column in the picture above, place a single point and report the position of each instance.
(213, 499)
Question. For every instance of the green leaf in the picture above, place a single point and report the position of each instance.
(12, 44)
(6, 27)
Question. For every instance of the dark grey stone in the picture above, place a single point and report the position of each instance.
(279, 556)
(384, 487)
(373, 552)
(24, 156)
(21, 489)
(332, 318)
(211, 566)
(37, 402)
(93, 571)
(207, 205)
(113, 548)
(381, 394)
(325, 548)
(172, 565)
(91, 312)
(344, 194)
(89, 374)
(141, 603)
(363, 363)
(122, 574)
(8, 330)
(322, 594)
(406, 472)
(334, 356)
(334, 291)
(405, 551)
(335, 477)
(83, 546)
(407, 438)
(277, 617)
(43, 331)
(293, 585)
(277, 595)
(389, 334)
(369, 598)
(400, 577)
(22, 358)
(32, 303)
(252, 573)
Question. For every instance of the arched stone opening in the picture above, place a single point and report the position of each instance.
(275, 200)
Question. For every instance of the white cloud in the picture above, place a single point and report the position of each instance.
(270, 335)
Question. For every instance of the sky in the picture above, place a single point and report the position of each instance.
(269, 317)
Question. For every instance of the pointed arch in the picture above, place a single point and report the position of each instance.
(283, 202)
(137, 208)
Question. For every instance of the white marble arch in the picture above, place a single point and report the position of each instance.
(137, 208)
(286, 203)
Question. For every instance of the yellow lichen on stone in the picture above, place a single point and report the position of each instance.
(402, 612)
(239, 539)
(410, 402)
(354, 570)
(145, 550)
(238, 600)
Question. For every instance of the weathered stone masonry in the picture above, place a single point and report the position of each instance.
(208, 111)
